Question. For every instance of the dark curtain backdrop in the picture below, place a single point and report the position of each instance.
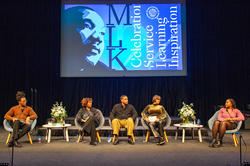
(218, 53)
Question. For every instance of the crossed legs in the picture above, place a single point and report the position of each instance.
(220, 127)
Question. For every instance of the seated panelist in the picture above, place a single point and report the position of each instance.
(123, 115)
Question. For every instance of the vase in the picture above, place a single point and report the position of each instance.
(185, 120)
(59, 121)
(54, 120)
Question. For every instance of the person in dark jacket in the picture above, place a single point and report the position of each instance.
(123, 115)
(89, 118)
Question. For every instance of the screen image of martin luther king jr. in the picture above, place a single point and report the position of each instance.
(83, 38)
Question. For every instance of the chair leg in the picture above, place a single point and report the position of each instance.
(8, 138)
(165, 136)
(98, 136)
(235, 139)
(147, 136)
(80, 136)
(30, 138)
(133, 137)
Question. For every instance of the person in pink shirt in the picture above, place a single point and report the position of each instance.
(227, 118)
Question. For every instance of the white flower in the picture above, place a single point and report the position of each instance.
(58, 111)
(186, 111)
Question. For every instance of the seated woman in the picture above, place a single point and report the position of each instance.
(89, 118)
(227, 118)
(155, 117)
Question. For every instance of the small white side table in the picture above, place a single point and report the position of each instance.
(49, 127)
(184, 127)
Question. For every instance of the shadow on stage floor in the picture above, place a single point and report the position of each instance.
(174, 153)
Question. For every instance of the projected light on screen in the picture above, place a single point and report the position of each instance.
(106, 40)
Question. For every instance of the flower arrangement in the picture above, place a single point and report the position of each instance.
(58, 112)
(187, 112)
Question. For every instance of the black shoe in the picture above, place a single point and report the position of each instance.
(157, 140)
(212, 144)
(130, 141)
(93, 143)
(219, 143)
(116, 141)
(10, 144)
(161, 142)
(17, 144)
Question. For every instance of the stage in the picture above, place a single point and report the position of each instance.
(173, 153)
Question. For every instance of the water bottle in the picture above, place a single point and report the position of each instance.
(198, 122)
(144, 138)
(77, 136)
(39, 139)
(109, 138)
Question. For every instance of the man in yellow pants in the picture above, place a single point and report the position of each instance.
(123, 115)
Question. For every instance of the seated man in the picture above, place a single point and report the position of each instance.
(89, 118)
(20, 116)
(123, 115)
